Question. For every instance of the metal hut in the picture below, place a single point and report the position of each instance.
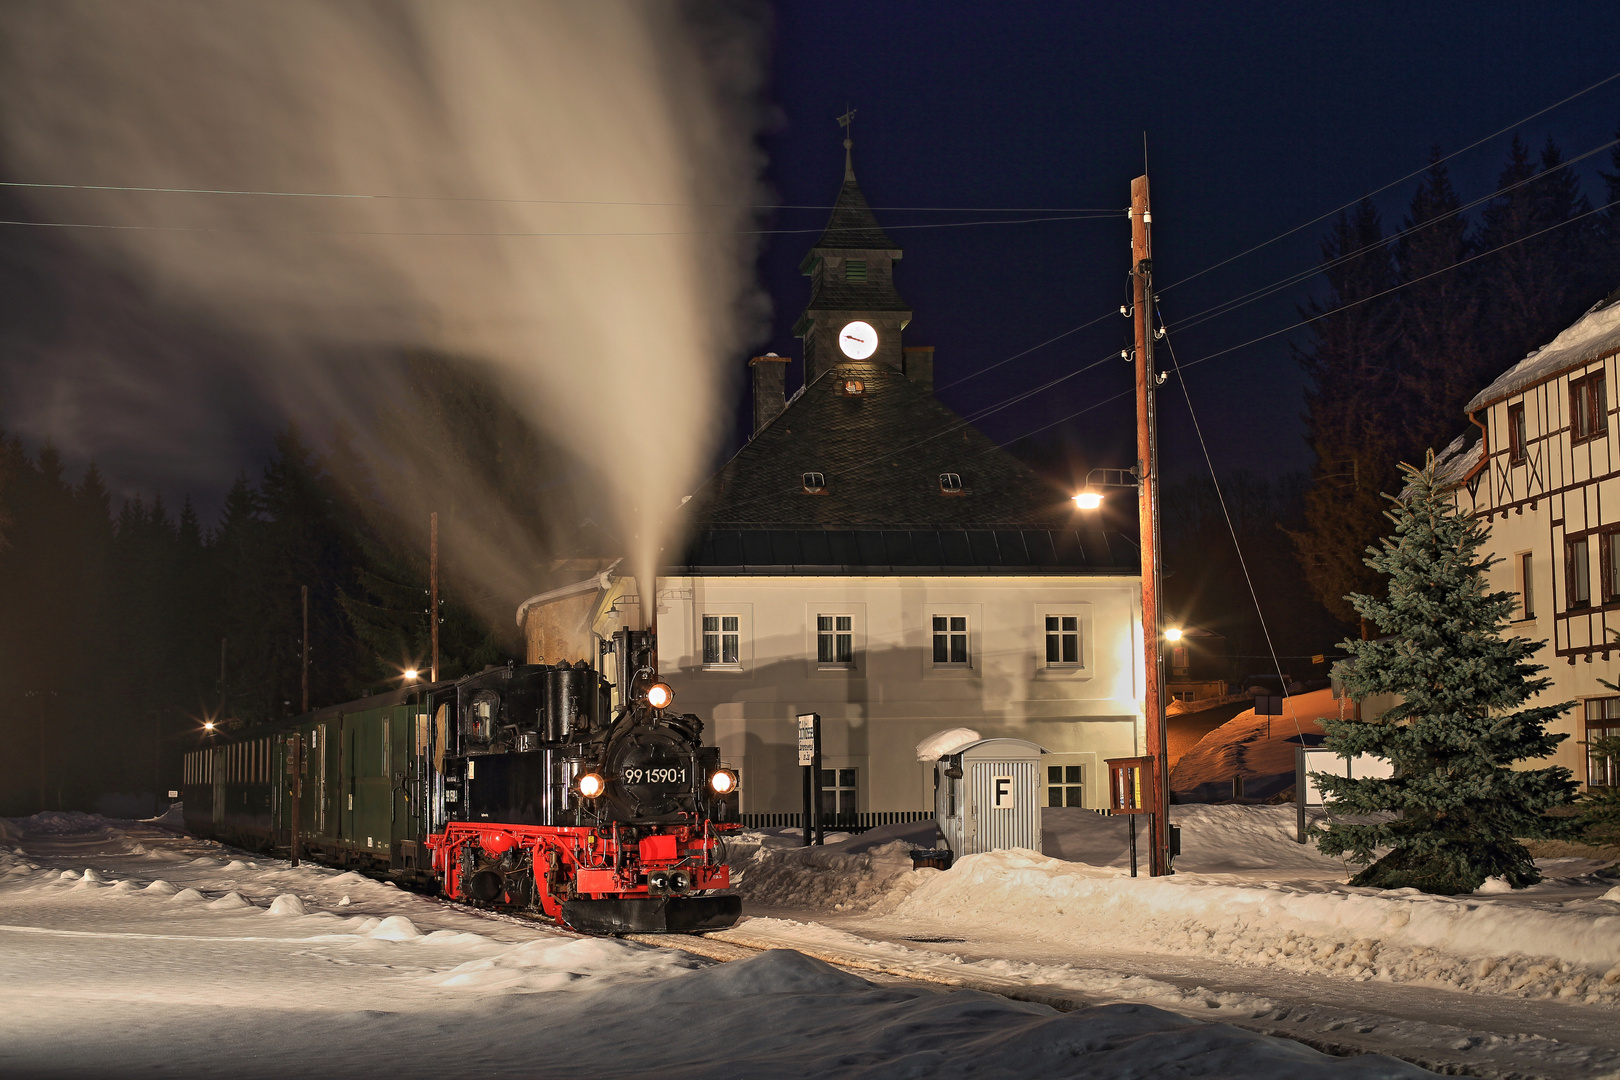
(987, 796)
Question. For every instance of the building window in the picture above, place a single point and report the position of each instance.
(835, 639)
(1578, 573)
(838, 793)
(1527, 589)
(1062, 639)
(1516, 438)
(1602, 721)
(853, 387)
(815, 482)
(1588, 408)
(1178, 661)
(855, 271)
(951, 640)
(1064, 786)
(950, 483)
(720, 637)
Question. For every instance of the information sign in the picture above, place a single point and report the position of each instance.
(807, 737)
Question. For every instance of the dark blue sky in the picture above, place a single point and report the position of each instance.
(1259, 117)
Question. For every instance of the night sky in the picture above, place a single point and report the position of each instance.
(1258, 119)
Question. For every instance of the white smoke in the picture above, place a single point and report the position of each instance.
(560, 190)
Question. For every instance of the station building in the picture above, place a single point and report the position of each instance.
(870, 556)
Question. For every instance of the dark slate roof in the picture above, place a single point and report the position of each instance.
(902, 551)
(864, 296)
(852, 225)
(882, 454)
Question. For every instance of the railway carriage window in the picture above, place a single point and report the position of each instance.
(721, 635)
(950, 640)
(835, 640)
(481, 717)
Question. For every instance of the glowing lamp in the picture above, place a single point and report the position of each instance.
(659, 695)
(410, 674)
(724, 781)
(591, 785)
(1088, 500)
(1173, 634)
(208, 725)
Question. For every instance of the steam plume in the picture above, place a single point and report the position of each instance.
(567, 203)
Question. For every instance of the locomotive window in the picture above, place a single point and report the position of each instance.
(482, 716)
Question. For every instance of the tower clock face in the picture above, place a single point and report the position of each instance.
(858, 340)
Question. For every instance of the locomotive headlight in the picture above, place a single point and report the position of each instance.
(659, 695)
(591, 785)
(723, 781)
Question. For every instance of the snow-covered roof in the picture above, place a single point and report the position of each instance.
(1595, 334)
(1453, 464)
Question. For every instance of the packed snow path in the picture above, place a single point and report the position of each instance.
(131, 950)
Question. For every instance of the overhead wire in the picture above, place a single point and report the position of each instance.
(1401, 180)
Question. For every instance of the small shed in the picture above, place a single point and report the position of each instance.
(987, 796)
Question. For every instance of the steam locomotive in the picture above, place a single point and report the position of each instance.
(544, 788)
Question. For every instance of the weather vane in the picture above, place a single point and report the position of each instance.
(847, 122)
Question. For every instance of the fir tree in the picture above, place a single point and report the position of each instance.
(1459, 806)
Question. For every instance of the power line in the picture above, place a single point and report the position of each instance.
(1392, 183)
(549, 202)
(209, 230)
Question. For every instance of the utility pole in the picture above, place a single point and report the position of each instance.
(304, 594)
(433, 592)
(222, 678)
(1147, 467)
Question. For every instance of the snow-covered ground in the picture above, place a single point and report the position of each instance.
(1251, 923)
(130, 947)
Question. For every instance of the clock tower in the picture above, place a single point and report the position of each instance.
(854, 311)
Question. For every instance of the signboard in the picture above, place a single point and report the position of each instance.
(808, 722)
(1002, 796)
(1319, 760)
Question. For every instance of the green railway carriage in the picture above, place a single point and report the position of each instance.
(363, 785)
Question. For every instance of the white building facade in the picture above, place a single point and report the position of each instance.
(1545, 476)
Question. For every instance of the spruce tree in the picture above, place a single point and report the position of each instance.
(1458, 805)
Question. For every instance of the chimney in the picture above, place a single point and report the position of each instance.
(918, 363)
(770, 388)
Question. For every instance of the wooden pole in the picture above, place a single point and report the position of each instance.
(303, 591)
(1147, 467)
(433, 592)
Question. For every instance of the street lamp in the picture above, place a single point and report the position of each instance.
(1173, 634)
(1088, 500)
(410, 674)
(208, 725)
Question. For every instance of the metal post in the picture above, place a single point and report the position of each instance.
(433, 593)
(1147, 449)
(1133, 843)
(815, 773)
(809, 808)
(295, 763)
(304, 593)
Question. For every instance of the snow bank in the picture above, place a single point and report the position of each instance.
(945, 742)
(1257, 748)
(1403, 936)
(1214, 840)
(825, 878)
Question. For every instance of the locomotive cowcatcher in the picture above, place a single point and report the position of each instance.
(609, 818)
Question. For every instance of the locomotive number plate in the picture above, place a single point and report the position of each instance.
(659, 775)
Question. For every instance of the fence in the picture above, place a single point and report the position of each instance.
(850, 823)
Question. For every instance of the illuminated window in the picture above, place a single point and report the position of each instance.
(853, 387)
(720, 637)
(950, 640)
